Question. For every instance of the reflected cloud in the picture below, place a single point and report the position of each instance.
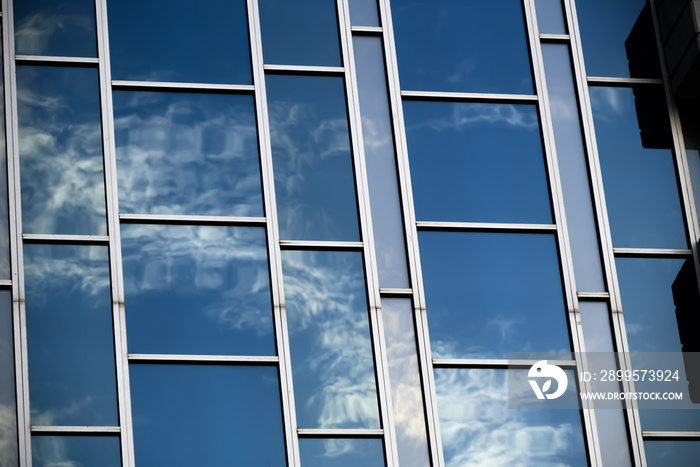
(8, 435)
(35, 33)
(463, 115)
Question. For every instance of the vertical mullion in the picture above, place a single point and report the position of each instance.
(362, 190)
(273, 241)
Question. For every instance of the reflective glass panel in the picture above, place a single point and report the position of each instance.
(488, 294)
(8, 407)
(303, 32)
(185, 415)
(364, 13)
(665, 453)
(634, 146)
(197, 290)
(478, 428)
(181, 153)
(476, 162)
(573, 169)
(342, 452)
(314, 182)
(162, 40)
(60, 145)
(329, 339)
(550, 17)
(377, 134)
(4, 217)
(78, 451)
(55, 27)
(69, 336)
(457, 45)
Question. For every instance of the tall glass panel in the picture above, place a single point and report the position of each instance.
(314, 180)
(8, 407)
(329, 339)
(4, 215)
(48, 451)
(364, 13)
(60, 146)
(341, 452)
(550, 17)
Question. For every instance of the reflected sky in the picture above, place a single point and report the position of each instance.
(60, 145)
(665, 453)
(640, 182)
(478, 429)
(197, 290)
(4, 228)
(488, 294)
(314, 181)
(364, 13)
(452, 45)
(75, 451)
(342, 452)
(550, 17)
(329, 339)
(69, 336)
(147, 42)
(55, 27)
(182, 153)
(215, 415)
(8, 408)
(476, 162)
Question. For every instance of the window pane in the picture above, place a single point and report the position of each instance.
(452, 45)
(60, 145)
(187, 415)
(665, 453)
(364, 13)
(303, 32)
(329, 339)
(342, 452)
(476, 162)
(637, 167)
(8, 408)
(147, 41)
(70, 344)
(55, 27)
(314, 182)
(50, 451)
(180, 153)
(550, 17)
(488, 294)
(197, 290)
(4, 216)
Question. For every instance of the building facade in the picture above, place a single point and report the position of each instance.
(313, 233)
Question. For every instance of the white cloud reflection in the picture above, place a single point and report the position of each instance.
(469, 114)
(35, 32)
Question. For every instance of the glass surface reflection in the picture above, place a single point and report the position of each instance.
(4, 215)
(55, 27)
(69, 336)
(329, 339)
(147, 41)
(364, 13)
(197, 290)
(477, 427)
(488, 294)
(60, 145)
(303, 32)
(638, 172)
(185, 415)
(70, 451)
(342, 452)
(550, 17)
(452, 45)
(8, 408)
(665, 453)
(180, 153)
(476, 162)
(314, 182)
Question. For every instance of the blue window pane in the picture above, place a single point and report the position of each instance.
(476, 162)
(69, 451)
(60, 145)
(665, 453)
(314, 181)
(162, 40)
(550, 17)
(8, 407)
(303, 32)
(364, 13)
(456, 45)
(4, 215)
(181, 153)
(329, 339)
(488, 294)
(197, 290)
(342, 452)
(637, 166)
(55, 27)
(70, 344)
(185, 415)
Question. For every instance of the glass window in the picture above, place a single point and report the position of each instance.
(303, 32)
(329, 339)
(162, 40)
(342, 452)
(488, 294)
(4, 215)
(364, 13)
(197, 290)
(49, 451)
(550, 17)
(665, 453)
(60, 145)
(314, 182)
(182, 153)
(457, 45)
(55, 27)
(636, 161)
(70, 346)
(185, 415)
(8, 407)
(476, 162)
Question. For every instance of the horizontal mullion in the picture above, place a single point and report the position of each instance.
(558, 38)
(651, 252)
(319, 245)
(485, 226)
(593, 295)
(670, 435)
(6, 283)
(190, 220)
(396, 292)
(621, 82)
(46, 59)
(302, 69)
(67, 239)
(36, 429)
(494, 363)
(231, 359)
(468, 97)
(368, 30)
(340, 433)
(162, 85)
